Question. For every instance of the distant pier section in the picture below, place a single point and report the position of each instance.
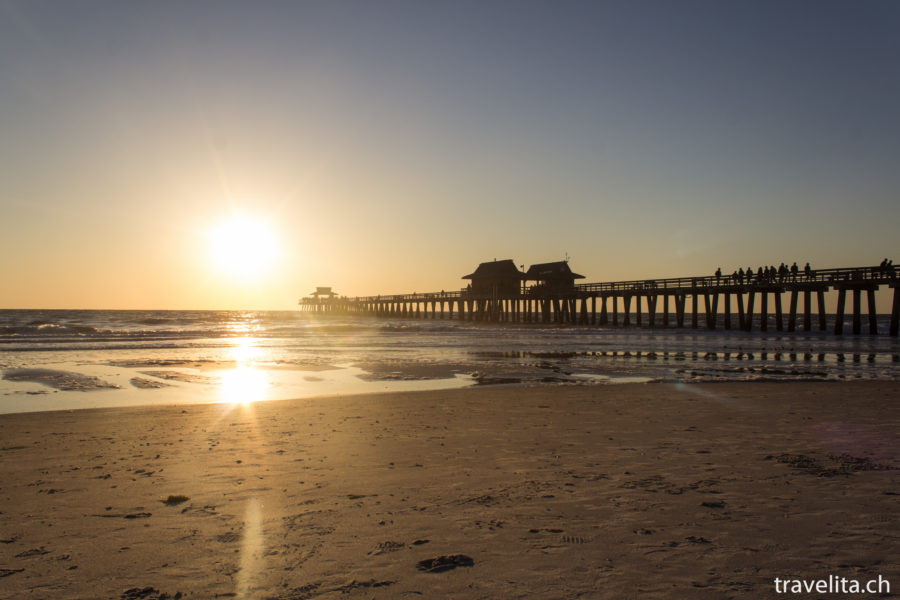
(547, 293)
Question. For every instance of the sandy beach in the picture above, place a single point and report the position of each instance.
(615, 491)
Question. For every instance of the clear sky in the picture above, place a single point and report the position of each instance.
(386, 147)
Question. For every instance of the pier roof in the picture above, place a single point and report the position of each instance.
(551, 270)
(323, 291)
(504, 269)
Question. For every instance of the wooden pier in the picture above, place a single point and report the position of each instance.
(676, 302)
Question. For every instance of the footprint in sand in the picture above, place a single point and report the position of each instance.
(574, 539)
(439, 564)
(385, 547)
(148, 593)
(33, 552)
(8, 572)
(229, 537)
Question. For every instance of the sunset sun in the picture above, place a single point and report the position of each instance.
(243, 247)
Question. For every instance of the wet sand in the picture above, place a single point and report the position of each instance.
(616, 491)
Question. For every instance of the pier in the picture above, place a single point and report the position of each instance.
(751, 304)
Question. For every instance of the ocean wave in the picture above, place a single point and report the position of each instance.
(49, 329)
(159, 321)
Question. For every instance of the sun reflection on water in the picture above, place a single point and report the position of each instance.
(245, 350)
(248, 326)
(244, 384)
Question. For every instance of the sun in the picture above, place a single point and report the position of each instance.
(243, 247)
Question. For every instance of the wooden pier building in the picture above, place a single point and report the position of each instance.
(323, 292)
(497, 293)
(498, 277)
(552, 278)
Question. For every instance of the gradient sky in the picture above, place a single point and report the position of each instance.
(394, 145)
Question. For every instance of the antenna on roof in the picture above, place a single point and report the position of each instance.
(567, 257)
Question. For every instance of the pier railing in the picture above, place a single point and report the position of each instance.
(828, 277)
(820, 276)
(602, 303)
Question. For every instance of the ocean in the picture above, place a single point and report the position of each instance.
(72, 359)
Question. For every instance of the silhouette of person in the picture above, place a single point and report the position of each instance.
(718, 275)
(807, 271)
(794, 270)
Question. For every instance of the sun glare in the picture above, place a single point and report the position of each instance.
(243, 247)
(244, 385)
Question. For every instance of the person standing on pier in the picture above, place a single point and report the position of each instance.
(718, 275)
(794, 270)
(807, 271)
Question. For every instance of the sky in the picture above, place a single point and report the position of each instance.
(390, 146)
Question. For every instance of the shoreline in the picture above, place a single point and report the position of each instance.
(69, 360)
(426, 385)
(706, 490)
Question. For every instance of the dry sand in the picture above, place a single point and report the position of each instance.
(630, 491)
